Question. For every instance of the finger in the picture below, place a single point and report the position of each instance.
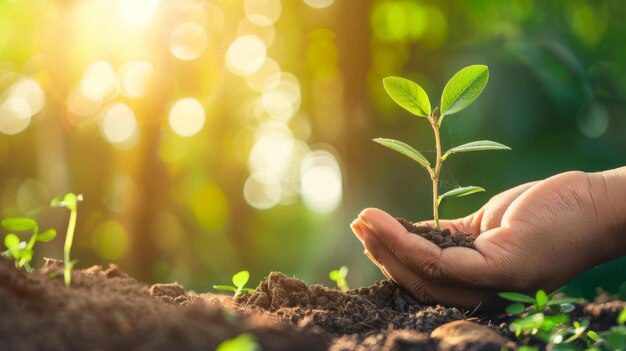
(458, 266)
(422, 289)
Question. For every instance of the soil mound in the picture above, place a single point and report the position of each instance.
(443, 238)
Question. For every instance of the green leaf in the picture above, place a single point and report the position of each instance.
(57, 201)
(458, 192)
(27, 256)
(463, 88)
(225, 287)
(69, 200)
(515, 308)
(240, 279)
(593, 335)
(516, 297)
(409, 95)
(11, 241)
(541, 299)
(243, 342)
(47, 235)
(621, 318)
(19, 224)
(343, 271)
(566, 307)
(334, 275)
(406, 150)
(563, 300)
(475, 146)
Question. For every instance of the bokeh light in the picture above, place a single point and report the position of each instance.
(99, 80)
(319, 4)
(188, 41)
(321, 181)
(187, 117)
(246, 55)
(262, 191)
(281, 96)
(138, 11)
(262, 12)
(119, 125)
(136, 77)
(110, 240)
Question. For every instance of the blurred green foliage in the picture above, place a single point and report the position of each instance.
(180, 192)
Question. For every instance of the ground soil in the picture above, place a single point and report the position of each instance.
(105, 309)
(444, 238)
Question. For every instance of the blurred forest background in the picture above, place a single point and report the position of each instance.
(218, 135)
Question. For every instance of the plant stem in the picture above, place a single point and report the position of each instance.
(69, 238)
(435, 175)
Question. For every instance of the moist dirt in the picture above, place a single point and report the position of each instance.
(443, 238)
(105, 309)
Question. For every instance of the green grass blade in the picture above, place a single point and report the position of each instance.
(463, 88)
(458, 192)
(404, 149)
(409, 95)
(475, 146)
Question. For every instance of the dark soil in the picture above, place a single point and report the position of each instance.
(104, 309)
(444, 238)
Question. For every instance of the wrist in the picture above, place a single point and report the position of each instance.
(609, 194)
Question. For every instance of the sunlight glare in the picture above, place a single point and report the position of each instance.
(263, 12)
(282, 97)
(319, 4)
(272, 151)
(138, 11)
(262, 191)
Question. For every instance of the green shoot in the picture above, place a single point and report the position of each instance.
(22, 251)
(339, 277)
(239, 281)
(242, 342)
(69, 201)
(460, 91)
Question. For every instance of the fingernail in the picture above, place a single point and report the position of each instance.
(356, 229)
(364, 220)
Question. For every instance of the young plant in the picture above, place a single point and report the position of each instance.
(612, 339)
(539, 303)
(339, 277)
(460, 91)
(239, 281)
(69, 201)
(242, 342)
(22, 251)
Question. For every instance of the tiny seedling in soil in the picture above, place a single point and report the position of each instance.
(339, 277)
(69, 201)
(242, 342)
(239, 281)
(460, 91)
(547, 319)
(22, 251)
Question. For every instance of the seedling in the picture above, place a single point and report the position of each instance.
(339, 277)
(239, 281)
(539, 303)
(460, 91)
(22, 251)
(69, 201)
(242, 342)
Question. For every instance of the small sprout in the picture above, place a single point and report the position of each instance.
(243, 342)
(460, 91)
(22, 251)
(539, 303)
(69, 201)
(339, 277)
(621, 318)
(239, 281)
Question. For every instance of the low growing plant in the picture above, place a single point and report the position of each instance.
(460, 91)
(22, 251)
(540, 302)
(69, 201)
(339, 277)
(239, 281)
(242, 342)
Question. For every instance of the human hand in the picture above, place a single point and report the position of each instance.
(535, 236)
